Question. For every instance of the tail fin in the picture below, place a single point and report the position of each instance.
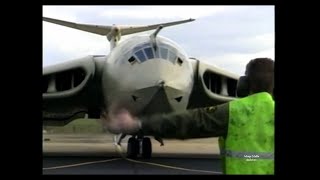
(114, 32)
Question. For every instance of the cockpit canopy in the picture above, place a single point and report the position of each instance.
(146, 51)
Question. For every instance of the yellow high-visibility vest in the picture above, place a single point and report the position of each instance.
(249, 144)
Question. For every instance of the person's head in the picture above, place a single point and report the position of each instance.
(260, 75)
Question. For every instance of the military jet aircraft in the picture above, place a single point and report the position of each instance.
(146, 74)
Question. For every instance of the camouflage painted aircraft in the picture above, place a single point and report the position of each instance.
(146, 74)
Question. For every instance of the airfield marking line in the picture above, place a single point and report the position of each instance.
(120, 151)
(173, 167)
(81, 164)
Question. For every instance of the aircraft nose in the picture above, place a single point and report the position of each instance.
(159, 101)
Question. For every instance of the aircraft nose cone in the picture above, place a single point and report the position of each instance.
(159, 102)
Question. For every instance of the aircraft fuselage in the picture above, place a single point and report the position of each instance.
(147, 77)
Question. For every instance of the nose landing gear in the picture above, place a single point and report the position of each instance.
(139, 146)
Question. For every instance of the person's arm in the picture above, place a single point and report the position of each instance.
(196, 123)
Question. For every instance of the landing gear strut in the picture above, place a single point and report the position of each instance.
(140, 145)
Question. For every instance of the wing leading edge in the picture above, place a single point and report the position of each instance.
(105, 30)
(212, 85)
(71, 90)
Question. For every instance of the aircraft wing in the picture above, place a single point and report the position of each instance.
(71, 90)
(135, 29)
(212, 85)
(105, 30)
(96, 29)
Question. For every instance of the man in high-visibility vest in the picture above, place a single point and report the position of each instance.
(245, 126)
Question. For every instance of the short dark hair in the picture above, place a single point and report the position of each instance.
(260, 73)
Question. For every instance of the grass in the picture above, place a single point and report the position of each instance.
(81, 126)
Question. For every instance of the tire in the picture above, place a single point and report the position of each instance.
(132, 148)
(146, 148)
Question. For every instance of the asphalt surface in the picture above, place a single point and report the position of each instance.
(95, 154)
(119, 166)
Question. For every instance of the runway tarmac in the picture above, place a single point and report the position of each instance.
(95, 154)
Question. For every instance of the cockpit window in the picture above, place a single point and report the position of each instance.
(180, 61)
(164, 53)
(149, 53)
(140, 55)
(157, 53)
(172, 57)
(144, 52)
(132, 59)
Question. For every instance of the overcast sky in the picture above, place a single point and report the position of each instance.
(226, 36)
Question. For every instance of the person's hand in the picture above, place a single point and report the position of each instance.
(122, 121)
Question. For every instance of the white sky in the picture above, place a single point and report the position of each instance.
(226, 36)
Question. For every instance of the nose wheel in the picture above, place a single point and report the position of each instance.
(133, 148)
(146, 148)
(139, 146)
